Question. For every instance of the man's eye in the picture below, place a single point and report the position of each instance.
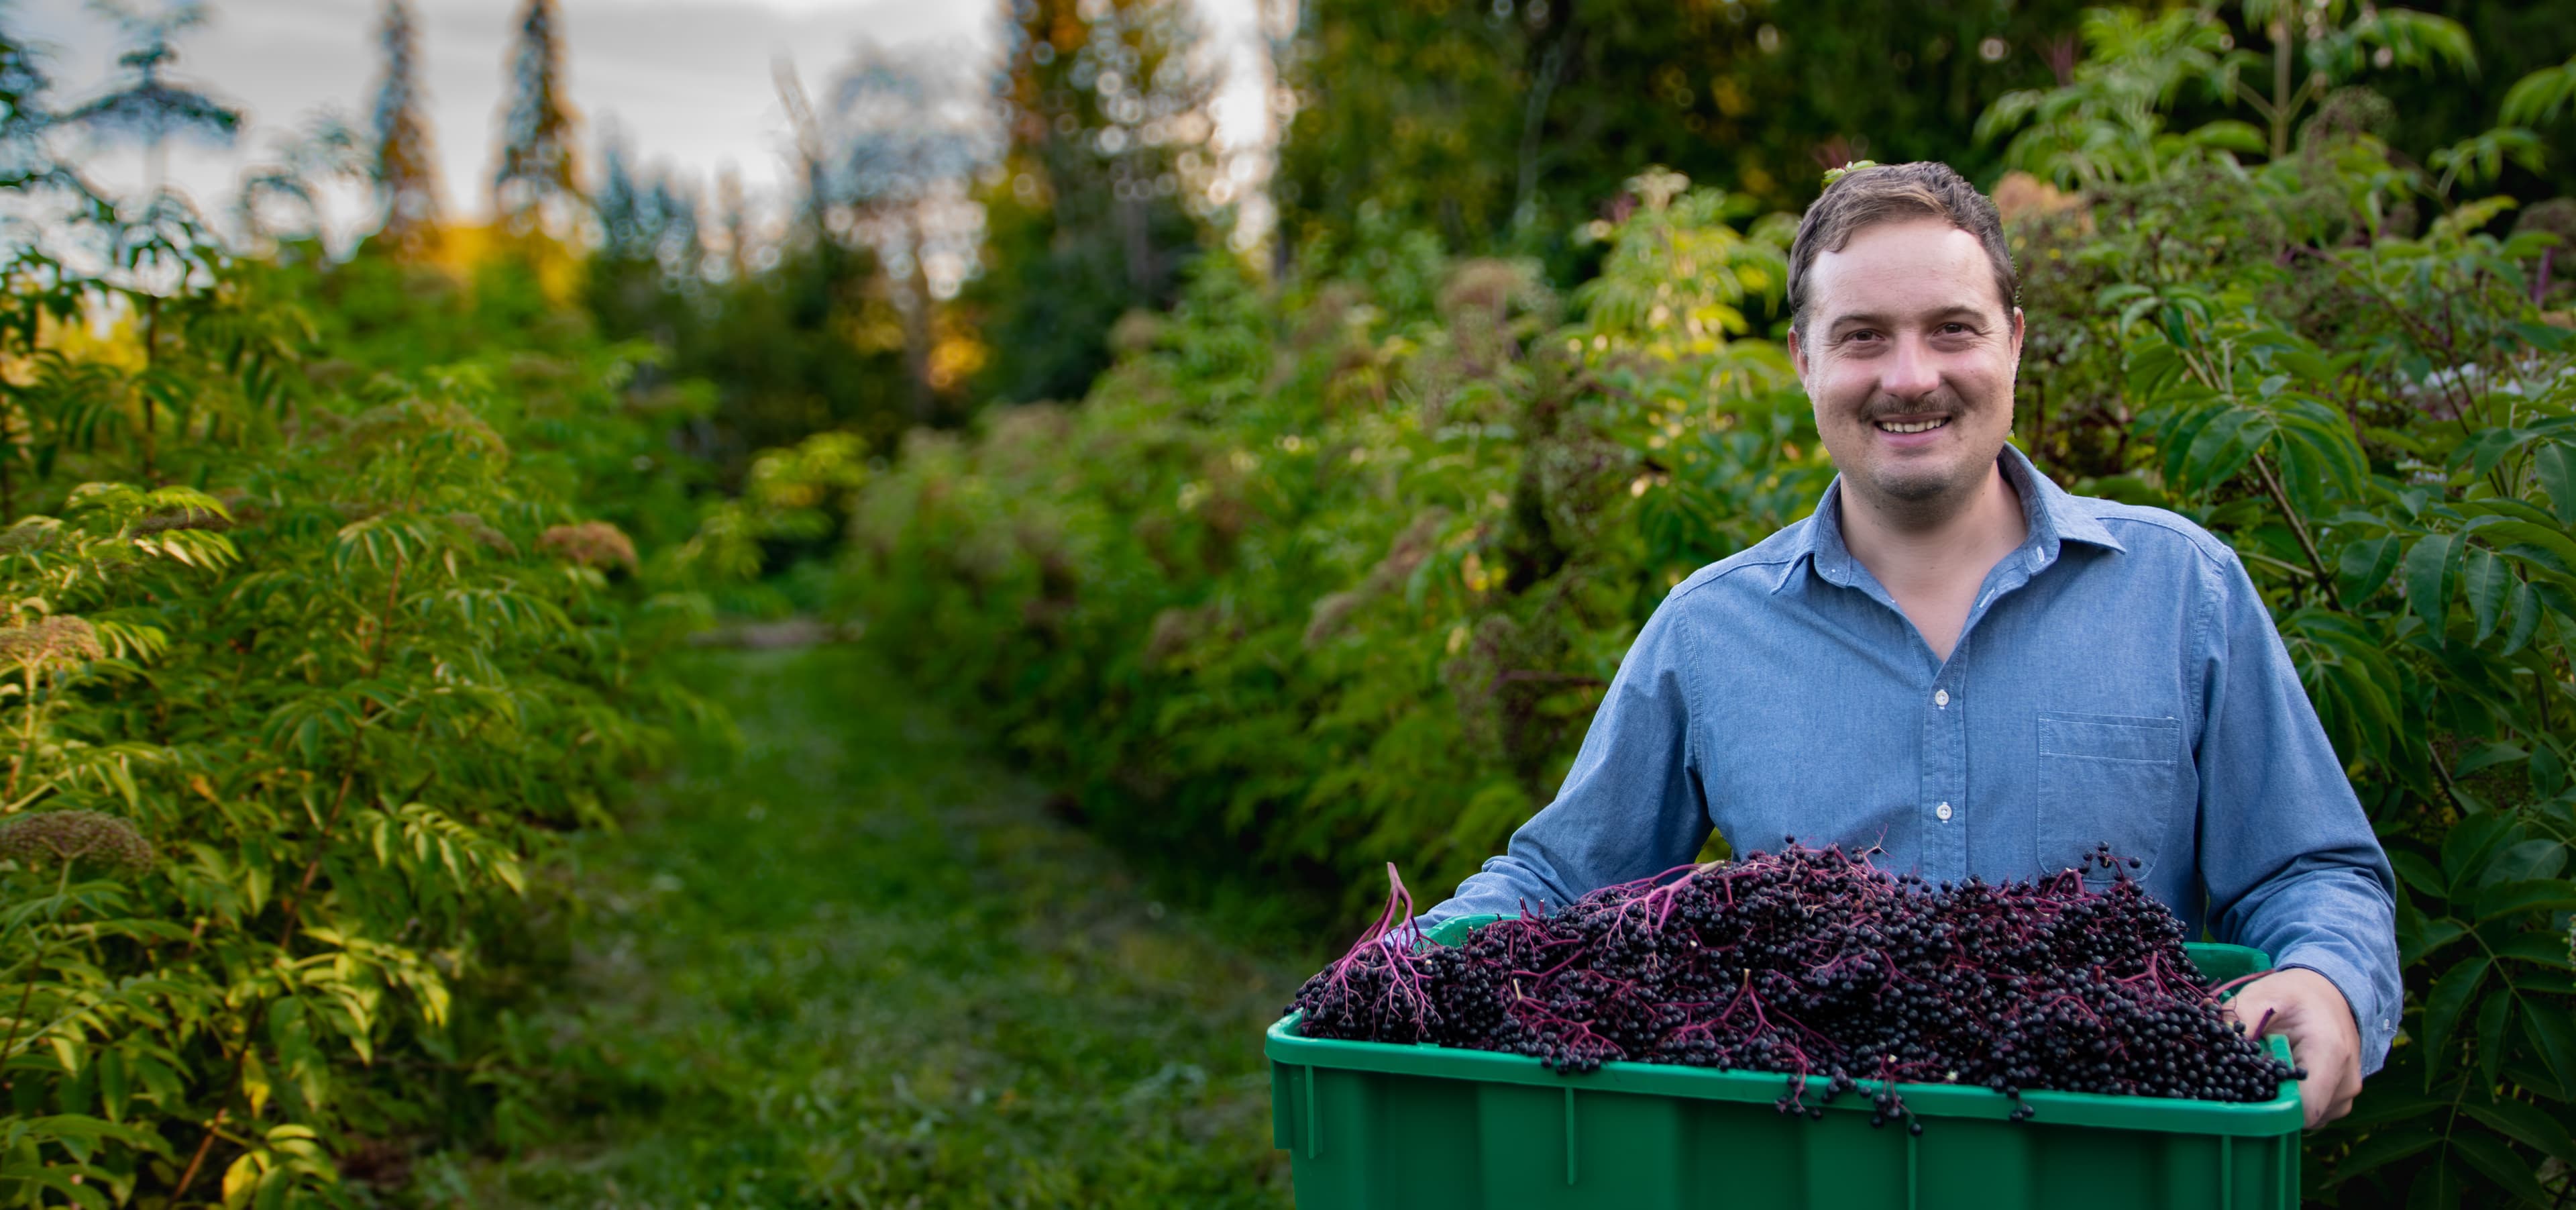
(1954, 329)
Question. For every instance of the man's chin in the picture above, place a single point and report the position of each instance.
(1916, 488)
(1918, 493)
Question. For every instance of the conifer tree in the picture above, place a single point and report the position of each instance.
(904, 141)
(1105, 183)
(645, 220)
(151, 107)
(406, 174)
(533, 189)
(734, 215)
(25, 113)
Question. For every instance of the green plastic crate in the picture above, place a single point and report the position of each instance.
(1372, 1125)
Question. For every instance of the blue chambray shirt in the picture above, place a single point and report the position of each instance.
(2118, 679)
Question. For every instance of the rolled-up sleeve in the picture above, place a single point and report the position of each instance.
(2287, 854)
(1633, 803)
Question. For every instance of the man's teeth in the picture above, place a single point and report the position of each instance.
(1919, 426)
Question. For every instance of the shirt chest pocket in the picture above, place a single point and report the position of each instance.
(2106, 779)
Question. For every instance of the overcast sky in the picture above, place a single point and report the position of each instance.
(689, 81)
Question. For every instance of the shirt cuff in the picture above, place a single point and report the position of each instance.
(2377, 1022)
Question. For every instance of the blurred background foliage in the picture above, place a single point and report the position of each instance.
(1283, 515)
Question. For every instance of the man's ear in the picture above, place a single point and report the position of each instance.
(2018, 328)
(1798, 348)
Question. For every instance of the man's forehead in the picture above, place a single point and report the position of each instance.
(1914, 267)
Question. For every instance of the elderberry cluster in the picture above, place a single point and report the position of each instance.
(1814, 963)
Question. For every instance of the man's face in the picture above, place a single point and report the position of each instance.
(1905, 330)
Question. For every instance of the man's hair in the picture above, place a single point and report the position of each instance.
(1866, 197)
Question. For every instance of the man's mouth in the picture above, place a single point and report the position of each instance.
(1911, 426)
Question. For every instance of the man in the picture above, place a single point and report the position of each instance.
(1957, 661)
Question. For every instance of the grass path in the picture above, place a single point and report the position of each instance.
(856, 964)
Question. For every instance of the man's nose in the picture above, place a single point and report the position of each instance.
(1912, 372)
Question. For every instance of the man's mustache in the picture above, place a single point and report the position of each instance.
(1886, 407)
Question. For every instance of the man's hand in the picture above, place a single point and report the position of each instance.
(2304, 1007)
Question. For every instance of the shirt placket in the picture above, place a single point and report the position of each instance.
(1945, 773)
(1945, 732)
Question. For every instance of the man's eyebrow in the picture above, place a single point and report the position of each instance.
(1871, 317)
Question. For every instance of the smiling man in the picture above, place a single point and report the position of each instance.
(1958, 662)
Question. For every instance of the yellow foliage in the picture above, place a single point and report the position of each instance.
(462, 250)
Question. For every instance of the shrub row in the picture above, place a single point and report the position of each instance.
(309, 654)
(1333, 572)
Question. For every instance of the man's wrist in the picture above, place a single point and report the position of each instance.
(2373, 1023)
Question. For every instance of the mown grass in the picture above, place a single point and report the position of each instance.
(854, 962)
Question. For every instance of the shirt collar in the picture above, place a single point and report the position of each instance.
(2053, 517)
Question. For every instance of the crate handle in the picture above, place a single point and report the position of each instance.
(1569, 1136)
(1913, 1171)
(1309, 1069)
(2226, 1172)
(1283, 1133)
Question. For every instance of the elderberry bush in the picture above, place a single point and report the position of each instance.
(1816, 964)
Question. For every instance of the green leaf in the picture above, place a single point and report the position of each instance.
(2486, 579)
(2428, 939)
(2384, 1147)
(2489, 447)
(2494, 1017)
(2553, 1035)
(2543, 546)
(2225, 447)
(2548, 771)
(2526, 895)
(2527, 1125)
(2437, 1187)
(2442, 1008)
(2179, 440)
(2497, 1162)
(2419, 872)
(2487, 756)
(58, 1179)
(2362, 567)
(2530, 859)
(2385, 1101)
(2465, 850)
(2559, 600)
(2545, 336)
(2556, 469)
(112, 1088)
(2432, 567)
(2526, 618)
(2544, 948)
(2506, 507)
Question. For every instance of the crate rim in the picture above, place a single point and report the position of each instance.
(2283, 1114)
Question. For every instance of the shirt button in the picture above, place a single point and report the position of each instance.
(1943, 811)
(1941, 698)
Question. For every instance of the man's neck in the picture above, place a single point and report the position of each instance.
(1946, 554)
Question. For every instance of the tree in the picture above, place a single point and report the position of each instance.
(165, 239)
(406, 173)
(905, 141)
(25, 115)
(1511, 124)
(1103, 187)
(650, 251)
(150, 107)
(533, 189)
(796, 337)
(2337, 40)
(640, 220)
(290, 181)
